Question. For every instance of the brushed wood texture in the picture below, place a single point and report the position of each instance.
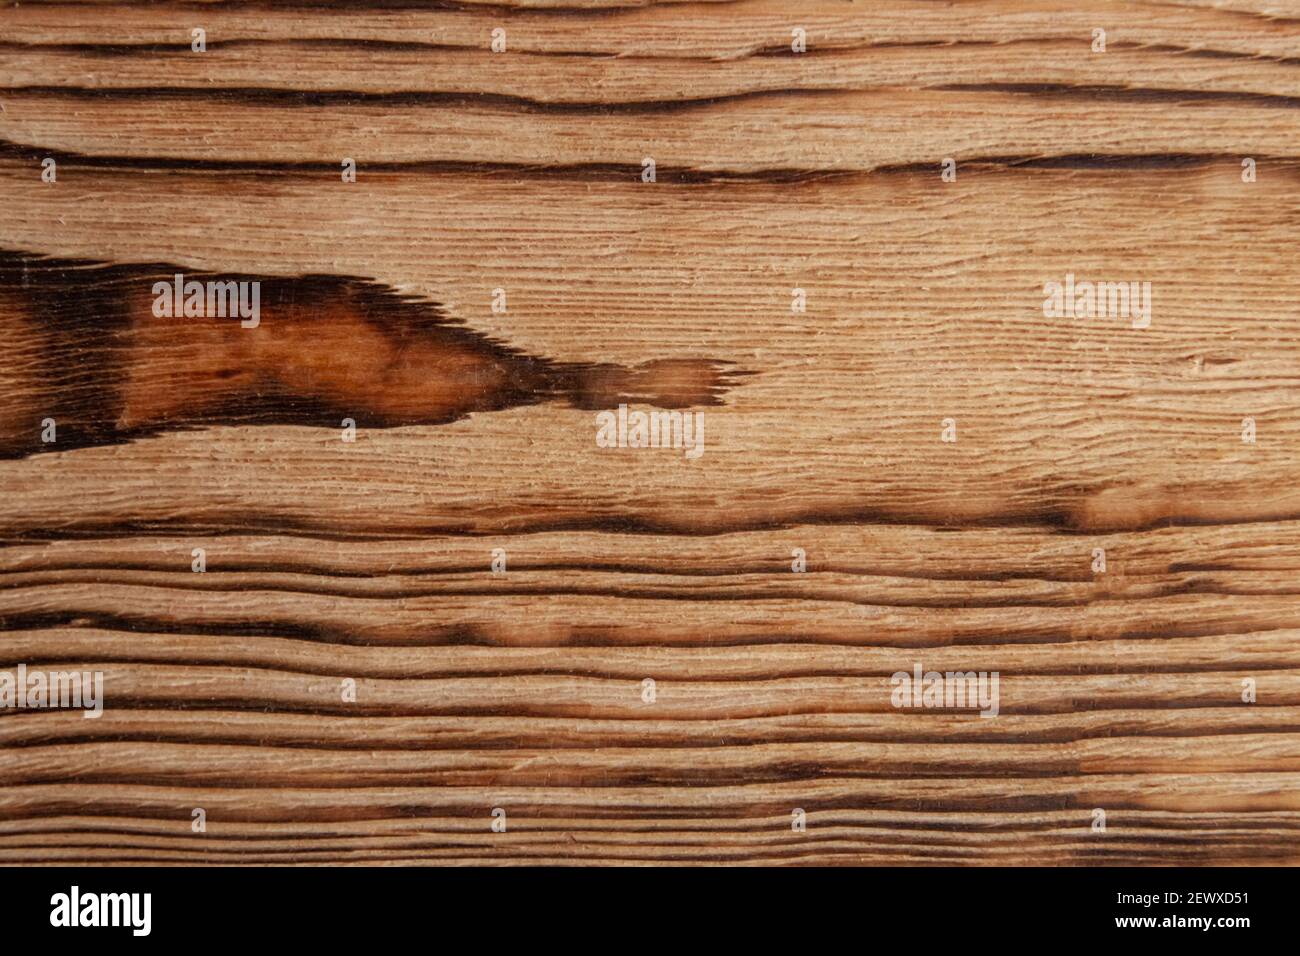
(522, 689)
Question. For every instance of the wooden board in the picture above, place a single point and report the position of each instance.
(1163, 691)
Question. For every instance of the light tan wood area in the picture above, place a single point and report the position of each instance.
(908, 457)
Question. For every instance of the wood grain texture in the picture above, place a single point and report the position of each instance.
(371, 561)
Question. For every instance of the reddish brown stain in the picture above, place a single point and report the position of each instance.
(87, 350)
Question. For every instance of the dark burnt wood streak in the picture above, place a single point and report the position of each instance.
(522, 688)
(87, 349)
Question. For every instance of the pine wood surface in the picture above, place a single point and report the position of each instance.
(371, 560)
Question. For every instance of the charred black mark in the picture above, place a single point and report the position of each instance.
(1084, 161)
(85, 348)
(605, 173)
(291, 98)
(1115, 94)
(516, 172)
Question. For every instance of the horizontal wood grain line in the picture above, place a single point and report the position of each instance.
(177, 686)
(955, 825)
(1078, 850)
(560, 620)
(1114, 93)
(487, 170)
(891, 550)
(251, 767)
(937, 830)
(882, 835)
(1078, 524)
(1218, 793)
(496, 732)
(182, 46)
(835, 132)
(317, 8)
(15, 154)
(1263, 650)
(180, 50)
(666, 175)
(890, 825)
(1241, 857)
(699, 30)
(1265, 9)
(629, 79)
(528, 106)
(88, 571)
(1080, 520)
(818, 588)
(829, 838)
